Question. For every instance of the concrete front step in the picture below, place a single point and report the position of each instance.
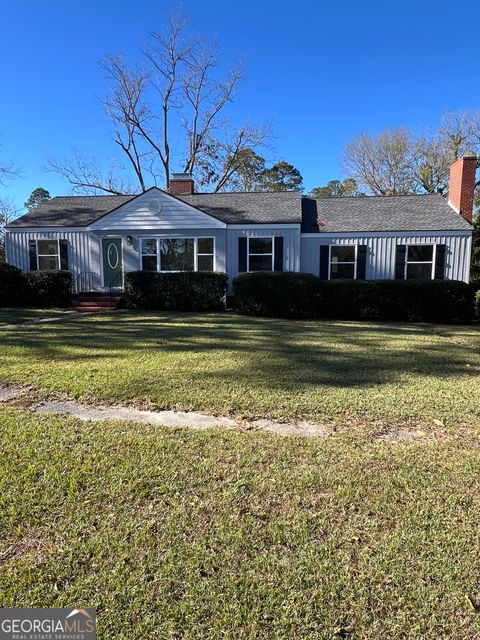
(91, 309)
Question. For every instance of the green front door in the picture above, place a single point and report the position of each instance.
(112, 262)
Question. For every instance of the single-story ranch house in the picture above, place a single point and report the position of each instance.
(99, 238)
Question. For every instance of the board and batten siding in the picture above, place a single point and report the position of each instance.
(382, 251)
(291, 244)
(16, 243)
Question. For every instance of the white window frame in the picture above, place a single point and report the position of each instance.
(272, 238)
(331, 246)
(432, 261)
(196, 253)
(48, 255)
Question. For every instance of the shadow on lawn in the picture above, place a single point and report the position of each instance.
(277, 354)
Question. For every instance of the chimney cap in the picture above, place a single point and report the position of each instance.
(181, 176)
(470, 154)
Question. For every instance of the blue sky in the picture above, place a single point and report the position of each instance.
(319, 71)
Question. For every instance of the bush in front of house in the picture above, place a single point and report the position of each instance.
(34, 288)
(180, 291)
(13, 286)
(280, 294)
(300, 295)
(48, 288)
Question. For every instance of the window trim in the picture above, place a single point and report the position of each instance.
(355, 247)
(195, 239)
(48, 255)
(432, 261)
(272, 238)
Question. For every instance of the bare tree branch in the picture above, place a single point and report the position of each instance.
(86, 176)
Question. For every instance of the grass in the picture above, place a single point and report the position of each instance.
(19, 314)
(225, 363)
(208, 535)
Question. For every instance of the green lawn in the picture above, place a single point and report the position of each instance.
(18, 314)
(252, 366)
(217, 534)
(208, 535)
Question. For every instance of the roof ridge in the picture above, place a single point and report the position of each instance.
(374, 195)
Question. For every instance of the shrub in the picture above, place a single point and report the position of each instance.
(182, 291)
(282, 294)
(477, 305)
(13, 286)
(302, 295)
(49, 288)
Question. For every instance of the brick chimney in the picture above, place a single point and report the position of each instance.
(462, 185)
(181, 184)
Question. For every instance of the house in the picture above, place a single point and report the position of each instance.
(99, 238)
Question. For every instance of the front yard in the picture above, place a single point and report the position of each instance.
(216, 534)
(225, 363)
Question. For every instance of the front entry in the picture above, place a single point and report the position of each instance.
(112, 262)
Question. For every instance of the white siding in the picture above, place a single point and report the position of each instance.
(291, 245)
(78, 247)
(174, 214)
(382, 250)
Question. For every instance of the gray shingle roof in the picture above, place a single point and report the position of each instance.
(429, 212)
(69, 211)
(250, 207)
(370, 213)
(232, 208)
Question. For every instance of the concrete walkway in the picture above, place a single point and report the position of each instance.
(27, 400)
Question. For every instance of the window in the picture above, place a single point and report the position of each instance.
(260, 254)
(149, 255)
(419, 262)
(178, 254)
(342, 262)
(48, 255)
(205, 254)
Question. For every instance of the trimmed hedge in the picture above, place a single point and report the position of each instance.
(13, 286)
(300, 295)
(49, 288)
(283, 294)
(34, 288)
(181, 291)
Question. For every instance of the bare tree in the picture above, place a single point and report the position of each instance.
(381, 163)
(400, 161)
(86, 176)
(174, 99)
(8, 212)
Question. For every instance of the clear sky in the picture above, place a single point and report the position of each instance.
(319, 71)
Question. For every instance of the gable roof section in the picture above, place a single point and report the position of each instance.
(281, 207)
(428, 212)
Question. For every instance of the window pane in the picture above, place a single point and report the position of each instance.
(260, 245)
(205, 245)
(205, 263)
(149, 247)
(176, 255)
(47, 247)
(149, 263)
(343, 254)
(260, 263)
(420, 253)
(48, 263)
(419, 271)
(342, 271)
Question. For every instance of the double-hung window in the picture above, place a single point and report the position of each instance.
(343, 262)
(48, 255)
(260, 254)
(420, 260)
(178, 254)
